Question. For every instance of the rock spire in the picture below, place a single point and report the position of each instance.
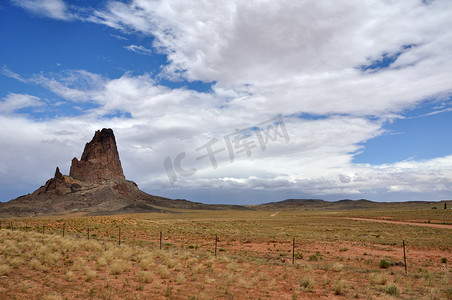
(100, 159)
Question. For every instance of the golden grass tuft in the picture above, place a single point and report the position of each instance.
(69, 276)
(379, 278)
(89, 273)
(339, 288)
(119, 266)
(307, 283)
(163, 271)
(145, 276)
(337, 267)
(53, 297)
(4, 269)
(180, 278)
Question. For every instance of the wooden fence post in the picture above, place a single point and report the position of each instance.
(43, 229)
(216, 242)
(293, 251)
(160, 240)
(64, 227)
(404, 256)
(88, 233)
(119, 240)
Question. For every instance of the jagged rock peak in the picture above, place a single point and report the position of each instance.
(58, 174)
(100, 159)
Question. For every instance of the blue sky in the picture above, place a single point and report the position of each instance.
(363, 90)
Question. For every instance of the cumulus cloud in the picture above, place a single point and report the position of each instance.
(303, 53)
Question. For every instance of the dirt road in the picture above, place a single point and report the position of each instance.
(443, 226)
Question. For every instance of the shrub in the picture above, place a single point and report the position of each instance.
(298, 255)
(307, 283)
(15, 262)
(384, 264)
(313, 257)
(197, 269)
(337, 267)
(119, 266)
(146, 263)
(4, 269)
(145, 276)
(392, 290)
(339, 289)
(163, 272)
(209, 263)
(35, 264)
(180, 278)
(378, 278)
(69, 276)
(89, 273)
(444, 260)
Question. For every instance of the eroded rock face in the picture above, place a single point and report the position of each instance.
(96, 185)
(100, 160)
(58, 185)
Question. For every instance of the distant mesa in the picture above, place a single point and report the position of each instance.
(96, 185)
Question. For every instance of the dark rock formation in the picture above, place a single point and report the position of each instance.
(96, 185)
(99, 161)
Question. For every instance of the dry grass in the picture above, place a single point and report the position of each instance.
(379, 278)
(163, 272)
(145, 276)
(344, 262)
(337, 267)
(307, 283)
(339, 288)
(119, 266)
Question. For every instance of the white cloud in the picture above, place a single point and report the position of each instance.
(302, 56)
(119, 37)
(14, 102)
(165, 122)
(5, 71)
(78, 85)
(139, 49)
(267, 58)
(55, 9)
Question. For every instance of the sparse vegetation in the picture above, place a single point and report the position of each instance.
(340, 257)
(307, 283)
(313, 257)
(339, 289)
(379, 278)
(337, 267)
(384, 264)
(392, 290)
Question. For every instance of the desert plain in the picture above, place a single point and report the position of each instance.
(270, 253)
